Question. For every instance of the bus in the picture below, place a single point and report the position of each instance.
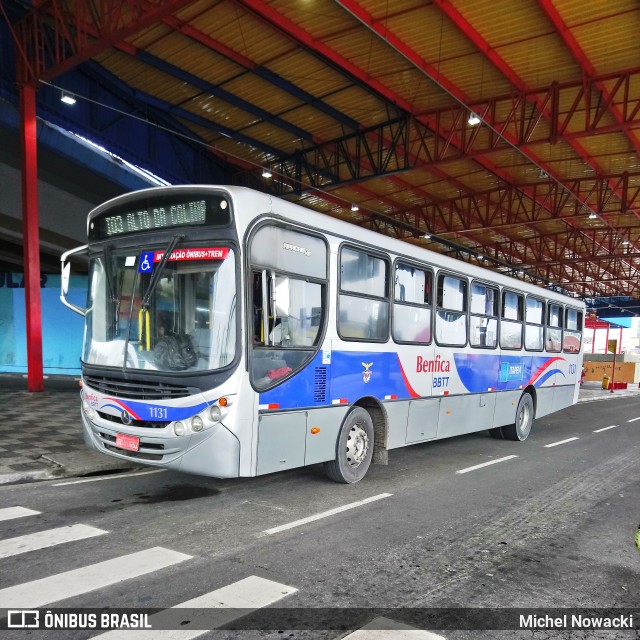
(229, 333)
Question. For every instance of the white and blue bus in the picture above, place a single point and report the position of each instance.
(229, 333)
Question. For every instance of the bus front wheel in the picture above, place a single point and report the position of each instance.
(521, 428)
(354, 449)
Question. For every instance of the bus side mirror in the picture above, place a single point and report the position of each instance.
(66, 277)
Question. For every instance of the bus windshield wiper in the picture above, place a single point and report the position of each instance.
(155, 276)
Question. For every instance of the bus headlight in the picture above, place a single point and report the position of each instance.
(197, 424)
(179, 428)
(88, 410)
(215, 415)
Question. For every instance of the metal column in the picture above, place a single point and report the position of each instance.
(31, 237)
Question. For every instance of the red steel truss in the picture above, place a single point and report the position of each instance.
(57, 35)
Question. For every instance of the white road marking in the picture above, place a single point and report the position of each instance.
(633, 420)
(115, 476)
(49, 538)
(39, 593)
(324, 514)
(555, 444)
(485, 464)
(9, 513)
(613, 426)
(387, 629)
(230, 603)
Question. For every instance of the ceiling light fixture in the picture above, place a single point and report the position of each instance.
(266, 173)
(473, 119)
(427, 236)
(67, 98)
(593, 216)
(354, 207)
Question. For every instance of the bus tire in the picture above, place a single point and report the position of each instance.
(354, 449)
(521, 428)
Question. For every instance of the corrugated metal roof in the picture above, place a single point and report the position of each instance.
(375, 96)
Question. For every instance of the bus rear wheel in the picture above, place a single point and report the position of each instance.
(521, 428)
(354, 449)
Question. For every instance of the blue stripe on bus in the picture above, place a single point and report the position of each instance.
(354, 374)
(155, 412)
(479, 372)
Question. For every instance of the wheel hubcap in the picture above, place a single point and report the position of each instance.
(357, 446)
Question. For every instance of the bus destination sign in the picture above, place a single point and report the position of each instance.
(175, 215)
(157, 213)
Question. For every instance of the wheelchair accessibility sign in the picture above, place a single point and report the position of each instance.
(146, 262)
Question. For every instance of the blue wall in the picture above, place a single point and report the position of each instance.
(62, 329)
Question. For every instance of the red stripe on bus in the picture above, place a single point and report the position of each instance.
(410, 389)
(541, 370)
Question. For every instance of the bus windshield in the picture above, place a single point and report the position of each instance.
(181, 319)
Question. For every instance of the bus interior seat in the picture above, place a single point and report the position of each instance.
(265, 362)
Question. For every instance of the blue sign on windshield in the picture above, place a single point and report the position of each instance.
(146, 262)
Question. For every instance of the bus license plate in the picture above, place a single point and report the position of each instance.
(132, 443)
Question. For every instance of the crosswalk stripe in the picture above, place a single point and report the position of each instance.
(9, 513)
(49, 538)
(387, 629)
(231, 602)
(38, 593)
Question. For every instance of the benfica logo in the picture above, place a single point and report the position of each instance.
(366, 374)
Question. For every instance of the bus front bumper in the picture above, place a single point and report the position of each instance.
(214, 452)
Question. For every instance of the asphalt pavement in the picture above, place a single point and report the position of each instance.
(41, 435)
(461, 528)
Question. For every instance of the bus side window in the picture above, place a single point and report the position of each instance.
(363, 305)
(412, 304)
(483, 327)
(451, 315)
(553, 342)
(511, 323)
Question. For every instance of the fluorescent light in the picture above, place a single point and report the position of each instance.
(592, 216)
(427, 236)
(473, 119)
(67, 98)
(266, 173)
(354, 207)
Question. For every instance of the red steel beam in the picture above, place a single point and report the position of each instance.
(588, 69)
(492, 55)
(401, 47)
(298, 34)
(54, 35)
(30, 232)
